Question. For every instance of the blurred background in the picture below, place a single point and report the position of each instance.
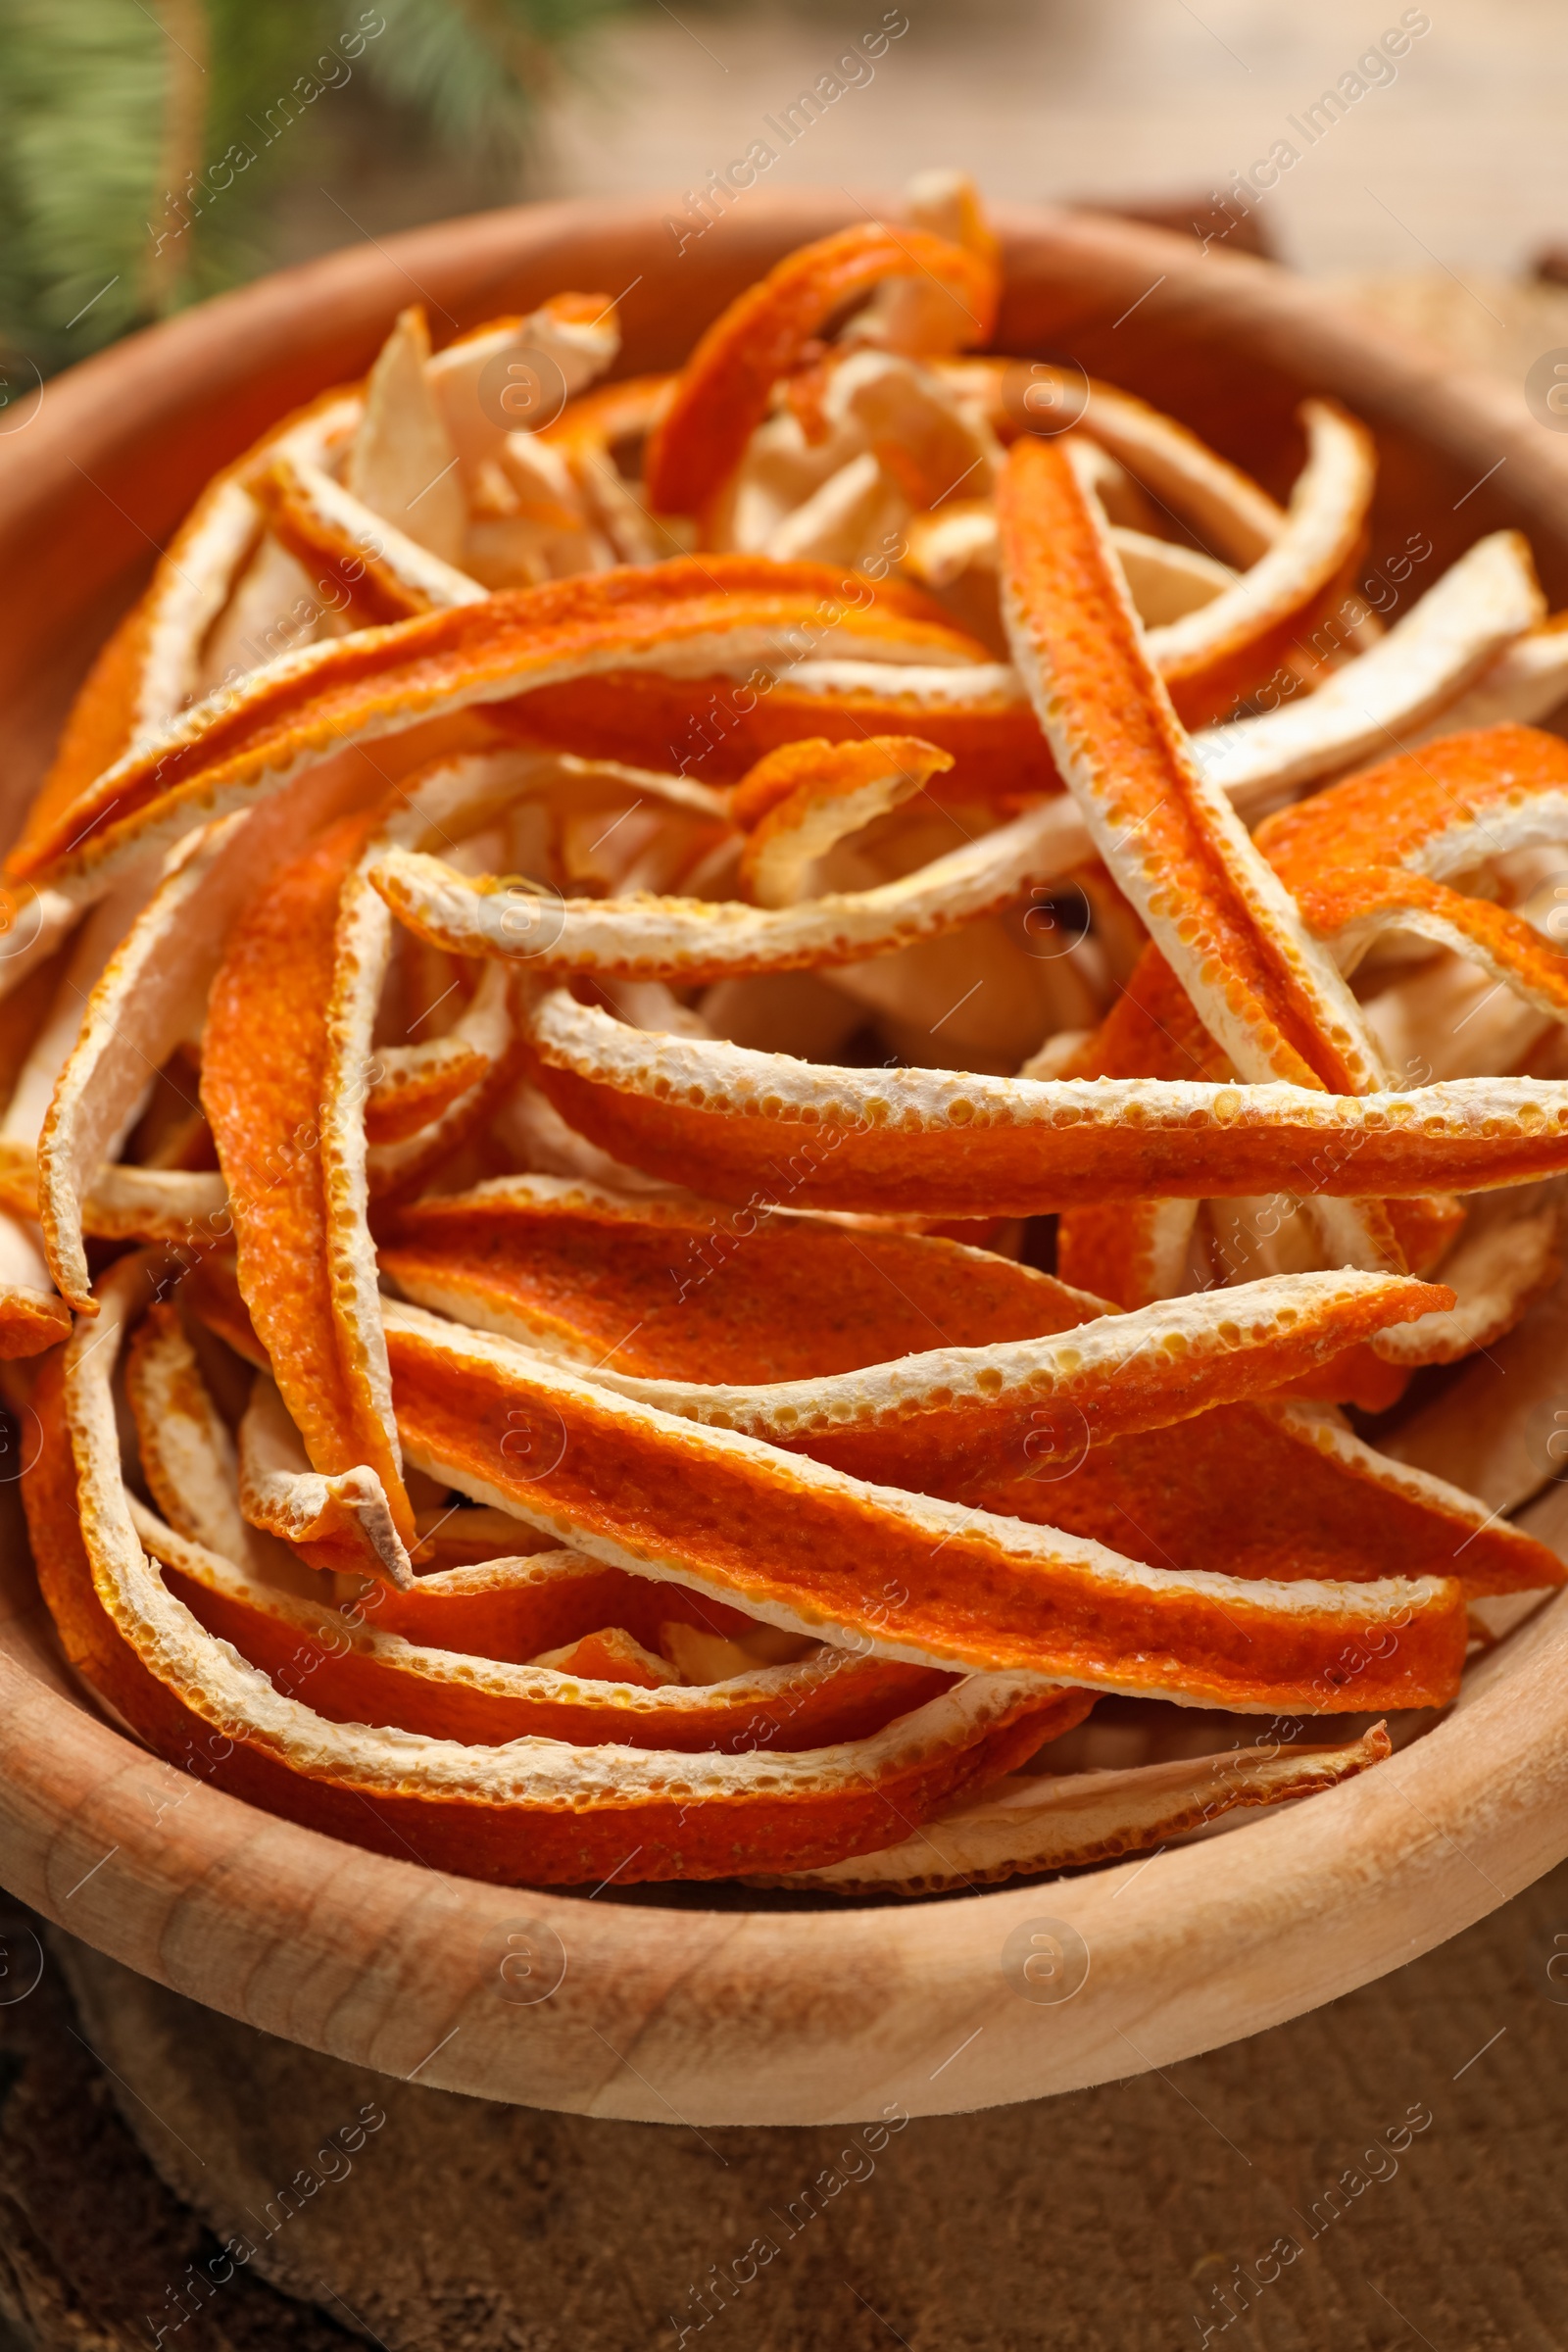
(155, 151)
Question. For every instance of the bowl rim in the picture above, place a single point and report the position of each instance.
(733, 2017)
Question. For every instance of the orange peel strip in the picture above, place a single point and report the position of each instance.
(353, 1672)
(384, 574)
(928, 1420)
(725, 612)
(803, 799)
(534, 1811)
(1277, 1490)
(939, 1143)
(263, 1066)
(701, 939)
(1173, 843)
(1483, 605)
(1029, 1824)
(684, 1289)
(806, 1547)
(148, 996)
(1210, 658)
(722, 393)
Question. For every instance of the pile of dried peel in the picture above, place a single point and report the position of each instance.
(521, 1194)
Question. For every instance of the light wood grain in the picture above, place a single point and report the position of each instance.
(688, 2011)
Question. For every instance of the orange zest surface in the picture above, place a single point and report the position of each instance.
(262, 1074)
(722, 393)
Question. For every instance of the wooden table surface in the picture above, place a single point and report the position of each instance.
(1387, 2172)
(1407, 2141)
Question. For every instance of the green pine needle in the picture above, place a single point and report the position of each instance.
(139, 143)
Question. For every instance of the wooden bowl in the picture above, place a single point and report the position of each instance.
(704, 2007)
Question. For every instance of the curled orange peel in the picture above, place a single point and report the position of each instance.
(263, 1064)
(1276, 1489)
(684, 1288)
(729, 1121)
(722, 393)
(452, 1655)
(684, 940)
(817, 1552)
(1369, 854)
(930, 1420)
(722, 611)
(534, 1811)
(798, 802)
(1213, 656)
(1173, 843)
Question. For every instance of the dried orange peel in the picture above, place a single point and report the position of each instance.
(722, 394)
(536, 919)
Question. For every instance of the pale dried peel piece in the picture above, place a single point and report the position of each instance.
(725, 614)
(1508, 1256)
(1448, 1019)
(414, 1085)
(148, 996)
(846, 521)
(340, 1521)
(346, 1664)
(1508, 1559)
(700, 939)
(906, 416)
(931, 1417)
(1203, 657)
(126, 1204)
(915, 314)
(1029, 1824)
(403, 465)
(187, 1455)
(575, 336)
(812, 795)
(1166, 581)
(1477, 609)
(30, 1319)
(387, 575)
(534, 1810)
(1227, 927)
(1524, 684)
(1233, 517)
(818, 1552)
(1497, 1425)
(726, 1120)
